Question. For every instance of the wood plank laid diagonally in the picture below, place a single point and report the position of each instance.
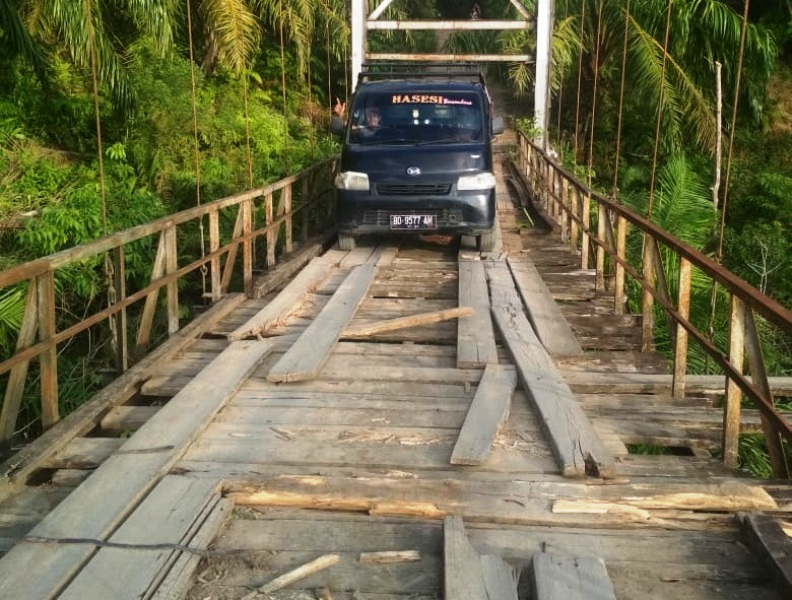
(305, 358)
(475, 334)
(124, 478)
(577, 446)
(488, 411)
(546, 317)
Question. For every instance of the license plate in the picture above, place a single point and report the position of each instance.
(413, 222)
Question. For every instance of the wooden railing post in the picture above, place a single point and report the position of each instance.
(49, 358)
(599, 281)
(731, 408)
(171, 266)
(16, 382)
(272, 233)
(621, 245)
(585, 238)
(647, 299)
(119, 283)
(756, 364)
(574, 209)
(681, 342)
(214, 245)
(247, 247)
(565, 212)
(286, 202)
(305, 200)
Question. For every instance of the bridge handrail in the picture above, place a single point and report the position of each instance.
(568, 202)
(38, 337)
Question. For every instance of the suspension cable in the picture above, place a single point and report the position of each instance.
(196, 149)
(580, 76)
(283, 88)
(621, 101)
(659, 113)
(594, 97)
(743, 33)
(561, 84)
(95, 81)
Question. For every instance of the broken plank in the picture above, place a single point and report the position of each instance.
(406, 322)
(548, 321)
(577, 446)
(19, 467)
(475, 335)
(387, 557)
(306, 357)
(301, 572)
(559, 576)
(288, 301)
(143, 545)
(500, 578)
(180, 577)
(463, 576)
(124, 478)
(84, 453)
(771, 545)
(488, 411)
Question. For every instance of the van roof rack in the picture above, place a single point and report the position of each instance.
(424, 70)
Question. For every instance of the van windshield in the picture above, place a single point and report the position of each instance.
(416, 118)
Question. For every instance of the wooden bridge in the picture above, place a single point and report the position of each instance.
(409, 420)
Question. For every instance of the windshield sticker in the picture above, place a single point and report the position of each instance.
(428, 99)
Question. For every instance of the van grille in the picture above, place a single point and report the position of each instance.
(424, 189)
(445, 217)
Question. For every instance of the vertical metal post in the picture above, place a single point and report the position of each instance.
(544, 30)
(358, 49)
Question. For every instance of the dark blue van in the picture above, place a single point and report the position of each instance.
(417, 156)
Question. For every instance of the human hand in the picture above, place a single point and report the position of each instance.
(339, 108)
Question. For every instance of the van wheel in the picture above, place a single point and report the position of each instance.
(486, 242)
(346, 242)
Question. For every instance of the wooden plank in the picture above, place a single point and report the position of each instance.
(771, 545)
(84, 453)
(305, 358)
(488, 411)
(500, 578)
(559, 576)
(587, 382)
(548, 321)
(18, 468)
(289, 300)
(145, 541)
(180, 578)
(463, 578)
(475, 334)
(124, 478)
(124, 419)
(577, 447)
(406, 322)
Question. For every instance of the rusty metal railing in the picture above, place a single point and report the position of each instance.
(573, 206)
(305, 195)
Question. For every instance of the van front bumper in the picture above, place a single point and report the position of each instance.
(467, 213)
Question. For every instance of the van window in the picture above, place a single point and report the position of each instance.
(411, 118)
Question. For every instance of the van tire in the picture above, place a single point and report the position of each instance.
(346, 242)
(486, 242)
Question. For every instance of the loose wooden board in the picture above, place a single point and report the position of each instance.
(565, 577)
(305, 358)
(487, 413)
(289, 300)
(548, 321)
(124, 478)
(475, 334)
(575, 443)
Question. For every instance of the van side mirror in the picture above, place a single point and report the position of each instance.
(497, 125)
(336, 125)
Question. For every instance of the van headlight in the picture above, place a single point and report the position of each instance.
(351, 180)
(479, 181)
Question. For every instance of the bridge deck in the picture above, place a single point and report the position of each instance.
(239, 461)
